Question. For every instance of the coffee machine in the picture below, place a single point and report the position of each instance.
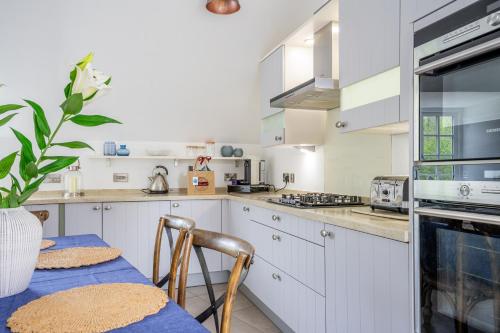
(254, 178)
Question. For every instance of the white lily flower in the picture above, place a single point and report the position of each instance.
(90, 82)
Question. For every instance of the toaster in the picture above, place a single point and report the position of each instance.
(390, 193)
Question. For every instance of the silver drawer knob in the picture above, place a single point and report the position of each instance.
(276, 276)
(325, 233)
(246, 209)
(96, 208)
(340, 124)
(175, 205)
(275, 217)
(276, 237)
(108, 207)
(277, 138)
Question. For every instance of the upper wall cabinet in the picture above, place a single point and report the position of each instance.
(421, 8)
(368, 39)
(272, 83)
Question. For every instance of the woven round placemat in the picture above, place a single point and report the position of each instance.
(94, 308)
(46, 243)
(76, 257)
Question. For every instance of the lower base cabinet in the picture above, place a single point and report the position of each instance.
(299, 307)
(51, 226)
(367, 283)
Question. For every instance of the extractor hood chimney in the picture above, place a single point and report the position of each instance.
(322, 92)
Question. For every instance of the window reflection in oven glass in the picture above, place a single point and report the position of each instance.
(460, 277)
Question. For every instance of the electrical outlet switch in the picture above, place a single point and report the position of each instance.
(230, 176)
(120, 177)
(292, 178)
(286, 177)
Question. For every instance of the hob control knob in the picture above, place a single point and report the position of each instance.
(465, 190)
(493, 19)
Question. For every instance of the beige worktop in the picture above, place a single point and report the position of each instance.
(343, 217)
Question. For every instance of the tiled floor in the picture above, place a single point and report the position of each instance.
(247, 318)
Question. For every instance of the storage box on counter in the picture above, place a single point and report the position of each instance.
(201, 182)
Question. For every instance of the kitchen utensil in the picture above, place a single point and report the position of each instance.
(159, 183)
(226, 151)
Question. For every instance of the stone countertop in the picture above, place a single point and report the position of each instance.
(343, 217)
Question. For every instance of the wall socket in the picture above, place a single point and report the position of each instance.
(120, 177)
(288, 177)
(230, 176)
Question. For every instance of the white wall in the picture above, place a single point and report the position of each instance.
(180, 73)
(307, 166)
(400, 154)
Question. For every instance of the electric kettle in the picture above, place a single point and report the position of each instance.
(159, 183)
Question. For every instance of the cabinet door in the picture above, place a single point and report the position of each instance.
(207, 215)
(369, 38)
(372, 115)
(51, 226)
(423, 8)
(83, 218)
(367, 288)
(272, 80)
(131, 227)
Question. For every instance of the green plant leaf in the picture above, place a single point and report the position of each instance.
(30, 189)
(41, 120)
(73, 145)
(4, 189)
(10, 107)
(47, 158)
(67, 89)
(40, 139)
(57, 165)
(27, 146)
(93, 120)
(15, 181)
(73, 104)
(12, 197)
(7, 119)
(31, 170)
(6, 164)
(108, 81)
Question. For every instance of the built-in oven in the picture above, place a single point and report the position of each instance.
(457, 86)
(457, 223)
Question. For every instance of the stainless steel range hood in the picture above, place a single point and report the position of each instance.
(322, 92)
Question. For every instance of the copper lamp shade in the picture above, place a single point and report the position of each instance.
(223, 6)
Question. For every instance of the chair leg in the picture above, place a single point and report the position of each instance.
(232, 288)
(210, 290)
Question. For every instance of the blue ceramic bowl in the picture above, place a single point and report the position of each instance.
(226, 151)
(238, 152)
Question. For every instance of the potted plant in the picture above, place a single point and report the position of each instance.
(20, 231)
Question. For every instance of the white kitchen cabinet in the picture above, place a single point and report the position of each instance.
(367, 283)
(294, 127)
(272, 72)
(376, 114)
(421, 8)
(131, 227)
(302, 309)
(83, 218)
(369, 38)
(51, 226)
(208, 216)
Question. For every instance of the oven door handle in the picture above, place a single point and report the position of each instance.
(459, 56)
(451, 214)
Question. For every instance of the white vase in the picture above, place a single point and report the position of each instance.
(20, 239)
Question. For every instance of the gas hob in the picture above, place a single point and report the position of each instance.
(317, 200)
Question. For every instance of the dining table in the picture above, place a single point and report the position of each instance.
(172, 318)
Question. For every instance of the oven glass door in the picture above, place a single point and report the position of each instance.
(459, 276)
(460, 110)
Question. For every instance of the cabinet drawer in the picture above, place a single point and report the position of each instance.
(372, 115)
(305, 229)
(302, 309)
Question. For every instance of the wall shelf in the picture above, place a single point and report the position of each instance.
(175, 158)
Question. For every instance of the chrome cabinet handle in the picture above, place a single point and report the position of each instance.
(277, 138)
(175, 205)
(108, 207)
(340, 124)
(96, 208)
(275, 217)
(276, 276)
(276, 237)
(246, 209)
(325, 233)
(455, 215)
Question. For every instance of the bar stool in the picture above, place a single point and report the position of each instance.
(178, 255)
(229, 245)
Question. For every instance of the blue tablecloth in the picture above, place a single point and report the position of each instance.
(172, 318)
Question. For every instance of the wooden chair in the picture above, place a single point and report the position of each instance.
(232, 246)
(42, 215)
(177, 254)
